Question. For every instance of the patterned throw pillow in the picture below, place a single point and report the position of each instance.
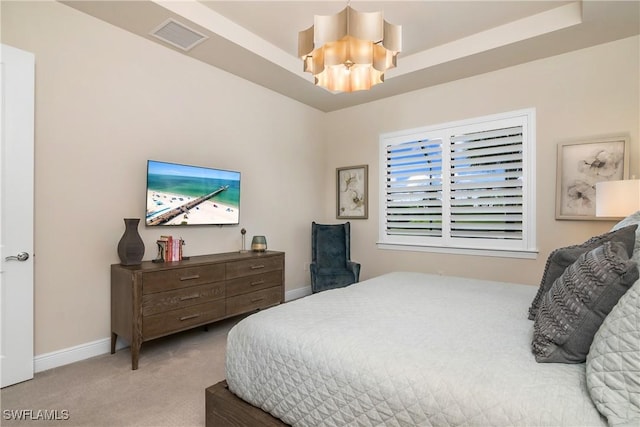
(613, 363)
(561, 258)
(577, 303)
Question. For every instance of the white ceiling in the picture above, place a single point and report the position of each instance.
(442, 40)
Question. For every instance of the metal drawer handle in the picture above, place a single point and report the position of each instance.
(256, 299)
(258, 282)
(195, 276)
(194, 296)
(193, 316)
(256, 267)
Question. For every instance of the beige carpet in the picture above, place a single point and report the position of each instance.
(166, 390)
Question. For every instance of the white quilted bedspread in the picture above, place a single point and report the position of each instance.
(405, 349)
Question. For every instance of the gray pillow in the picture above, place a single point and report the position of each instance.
(634, 218)
(561, 258)
(578, 301)
(613, 362)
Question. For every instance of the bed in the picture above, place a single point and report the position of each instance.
(415, 349)
(405, 349)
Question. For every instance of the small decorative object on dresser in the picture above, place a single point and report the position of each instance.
(259, 244)
(243, 232)
(131, 246)
(152, 300)
(170, 248)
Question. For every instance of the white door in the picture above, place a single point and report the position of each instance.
(17, 72)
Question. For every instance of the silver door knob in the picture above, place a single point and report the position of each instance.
(22, 256)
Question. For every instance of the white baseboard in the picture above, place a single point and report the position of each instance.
(76, 353)
(297, 293)
(43, 362)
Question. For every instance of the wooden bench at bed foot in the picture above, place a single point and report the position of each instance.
(225, 409)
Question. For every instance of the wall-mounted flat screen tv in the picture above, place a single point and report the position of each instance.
(191, 195)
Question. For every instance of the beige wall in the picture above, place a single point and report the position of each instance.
(586, 93)
(106, 101)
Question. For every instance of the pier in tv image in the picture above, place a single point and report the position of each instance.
(191, 195)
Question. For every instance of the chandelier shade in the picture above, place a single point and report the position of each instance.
(349, 51)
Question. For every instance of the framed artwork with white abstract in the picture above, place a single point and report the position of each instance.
(352, 192)
(580, 165)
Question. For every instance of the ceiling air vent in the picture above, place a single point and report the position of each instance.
(178, 35)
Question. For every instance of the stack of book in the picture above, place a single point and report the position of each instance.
(170, 248)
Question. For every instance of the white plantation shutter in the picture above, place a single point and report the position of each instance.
(486, 191)
(414, 188)
(463, 185)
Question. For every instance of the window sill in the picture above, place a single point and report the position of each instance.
(523, 254)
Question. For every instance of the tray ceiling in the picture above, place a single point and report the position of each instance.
(442, 40)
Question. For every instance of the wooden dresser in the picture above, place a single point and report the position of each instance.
(153, 300)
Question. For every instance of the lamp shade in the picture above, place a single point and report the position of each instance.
(617, 198)
(259, 244)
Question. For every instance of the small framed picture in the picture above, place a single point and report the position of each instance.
(580, 165)
(352, 196)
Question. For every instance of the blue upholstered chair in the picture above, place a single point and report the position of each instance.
(331, 265)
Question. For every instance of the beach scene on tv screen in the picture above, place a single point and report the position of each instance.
(191, 195)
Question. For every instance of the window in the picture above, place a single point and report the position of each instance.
(465, 187)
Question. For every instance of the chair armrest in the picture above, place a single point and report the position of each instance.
(355, 268)
(313, 269)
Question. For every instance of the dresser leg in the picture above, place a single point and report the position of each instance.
(135, 354)
(114, 338)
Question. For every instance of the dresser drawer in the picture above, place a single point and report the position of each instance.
(176, 278)
(171, 300)
(255, 265)
(183, 318)
(254, 300)
(243, 285)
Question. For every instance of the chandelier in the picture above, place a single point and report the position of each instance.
(349, 51)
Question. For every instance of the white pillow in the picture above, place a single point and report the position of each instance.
(613, 362)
